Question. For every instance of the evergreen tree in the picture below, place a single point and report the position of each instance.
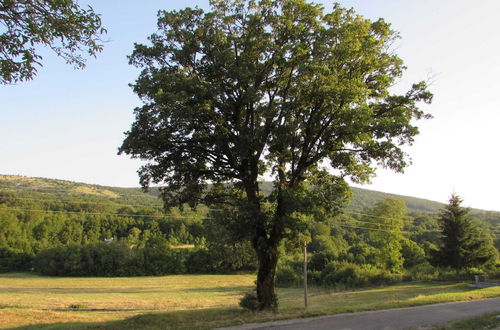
(462, 244)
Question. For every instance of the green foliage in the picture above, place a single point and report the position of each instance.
(463, 245)
(220, 246)
(12, 260)
(422, 272)
(386, 222)
(287, 275)
(354, 275)
(63, 26)
(250, 301)
(411, 253)
(269, 87)
(113, 259)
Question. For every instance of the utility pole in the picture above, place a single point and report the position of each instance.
(305, 275)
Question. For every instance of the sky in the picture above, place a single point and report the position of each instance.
(68, 124)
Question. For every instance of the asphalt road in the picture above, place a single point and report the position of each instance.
(398, 318)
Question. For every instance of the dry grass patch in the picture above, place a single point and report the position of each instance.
(13, 318)
(190, 301)
(146, 293)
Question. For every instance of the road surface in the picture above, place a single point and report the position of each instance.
(389, 319)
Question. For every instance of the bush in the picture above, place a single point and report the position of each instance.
(422, 272)
(12, 260)
(115, 259)
(320, 259)
(352, 275)
(287, 276)
(120, 259)
(450, 274)
(314, 277)
(249, 301)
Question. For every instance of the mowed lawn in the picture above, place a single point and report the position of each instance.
(189, 301)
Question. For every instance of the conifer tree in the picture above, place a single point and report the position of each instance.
(463, 245)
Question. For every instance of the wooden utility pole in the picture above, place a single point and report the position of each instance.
(305, 274)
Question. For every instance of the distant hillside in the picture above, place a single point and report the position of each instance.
(363, 198)
(53, 189)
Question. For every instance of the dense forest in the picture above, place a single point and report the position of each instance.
(60, 227)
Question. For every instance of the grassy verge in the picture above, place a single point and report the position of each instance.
(190, 301)
(487, 321)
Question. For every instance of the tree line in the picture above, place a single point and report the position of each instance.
(94, 237)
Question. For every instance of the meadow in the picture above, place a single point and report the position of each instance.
(190, 301)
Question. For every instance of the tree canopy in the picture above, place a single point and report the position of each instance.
(270, 88)
(62, 25)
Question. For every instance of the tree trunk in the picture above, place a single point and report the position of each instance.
(267, 253)
(266, 247)
(268, 259)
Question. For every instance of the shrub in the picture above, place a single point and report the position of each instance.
(249, 301)
(12, 260)
(286, 276)
(320, 259)
(354, 275)
(200, 261)
(314, 277)
(77, 306)
(422, 272)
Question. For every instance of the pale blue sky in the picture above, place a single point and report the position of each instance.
(67, 124)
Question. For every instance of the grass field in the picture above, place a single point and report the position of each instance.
(189, 301)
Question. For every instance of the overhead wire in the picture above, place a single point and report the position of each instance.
(81, 194)
(149, 206)
(85, 202)
(341, 224)
(107, 214)
(346, 212)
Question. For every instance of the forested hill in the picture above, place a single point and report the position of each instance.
(42, 188)
(363, 198)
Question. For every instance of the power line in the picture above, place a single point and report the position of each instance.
(368, 222)
(495, 231)
(205, 217)
(180, 216)
(346, 212)
(373, 216)
(85, 202)
(156, 207)
(374, 229)
(108, 214)
(395, 231)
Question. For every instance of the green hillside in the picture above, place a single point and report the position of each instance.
(363, 198)
(63, 228)
(54, 189)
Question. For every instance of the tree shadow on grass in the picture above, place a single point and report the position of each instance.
(81, 290)
(234, 289)
(195, 319)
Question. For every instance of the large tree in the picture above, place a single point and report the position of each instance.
(463, 244)
(277, 88)
(61, 25)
